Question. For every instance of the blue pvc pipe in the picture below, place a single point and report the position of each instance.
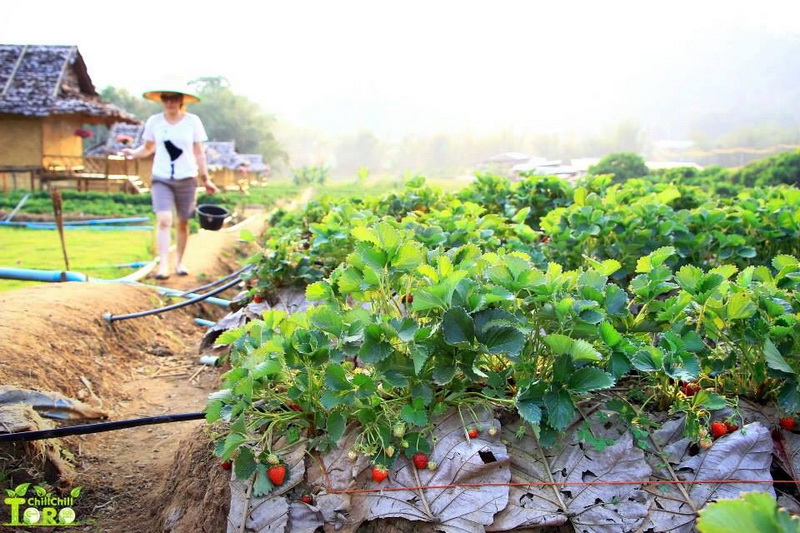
(96, 222)
(211, 299)
(101, 221)
(49, 225)
(135, 264)
(28, 274)
(17, 208)
(204, 322)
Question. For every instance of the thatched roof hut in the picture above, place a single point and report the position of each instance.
(46, 99)
(255, 162)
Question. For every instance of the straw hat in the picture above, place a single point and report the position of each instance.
(189, 97)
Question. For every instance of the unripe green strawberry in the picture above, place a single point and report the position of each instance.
(352, 455)
(273, 459)
(492, 431)
(389, 451)
(432, 465)
(399, 430)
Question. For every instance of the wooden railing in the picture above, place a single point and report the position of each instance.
(90, 173)
(96, 166)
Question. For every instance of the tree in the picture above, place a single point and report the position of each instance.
(231, 117)
(774, 170)
(624, 166)
(135, 105)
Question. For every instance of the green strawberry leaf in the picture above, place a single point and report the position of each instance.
(232, 443)
(408, 257)
(505, 340)
(245, 464)
(262, 485)
(213, 411)
(335, 425)
(320, 290)
(588, 379)
(327, 320)
(609, 335)
(458, 328)
(775, 360)
(560, 408)
(410, 414)
(740, 306)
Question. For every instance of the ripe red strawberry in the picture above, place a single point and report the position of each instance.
(786, 423)
(420, 460)
(473, 433)
(306, 498)
(257, 299)
(277, 474)
(691, 388)
(718, 429)
(295, 406)
(407, 299)
(730, 426)
(225, 465)
(379, 473)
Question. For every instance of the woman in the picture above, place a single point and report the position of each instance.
(177, 139)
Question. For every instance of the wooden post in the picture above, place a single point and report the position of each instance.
(55, 197)
(5, 183)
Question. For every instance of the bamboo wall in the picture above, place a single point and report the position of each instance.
(58, 136)
(20, 141)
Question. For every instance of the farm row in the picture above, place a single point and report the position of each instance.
(536, 299)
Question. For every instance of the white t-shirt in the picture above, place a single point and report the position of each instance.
(174, 154)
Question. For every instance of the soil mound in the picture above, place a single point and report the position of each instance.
(195, 495)
(53, 337)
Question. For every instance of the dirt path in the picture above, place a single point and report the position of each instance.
(53, 337)
(135, 368)
(126, 467)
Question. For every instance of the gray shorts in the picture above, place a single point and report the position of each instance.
(179, 194)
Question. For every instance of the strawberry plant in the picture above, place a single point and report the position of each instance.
(424, 304)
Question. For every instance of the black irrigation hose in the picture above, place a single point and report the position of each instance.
(199, 298)
(97, 428)
(217, 282)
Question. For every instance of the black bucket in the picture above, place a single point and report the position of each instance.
(211, 216)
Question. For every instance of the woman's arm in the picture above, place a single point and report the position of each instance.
(143, 151)
(202, 168)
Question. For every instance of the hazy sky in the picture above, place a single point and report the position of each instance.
(399, 67)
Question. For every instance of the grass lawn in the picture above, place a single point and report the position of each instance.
(41, 249)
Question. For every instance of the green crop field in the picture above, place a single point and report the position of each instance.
(596, 313)
(41, 249)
